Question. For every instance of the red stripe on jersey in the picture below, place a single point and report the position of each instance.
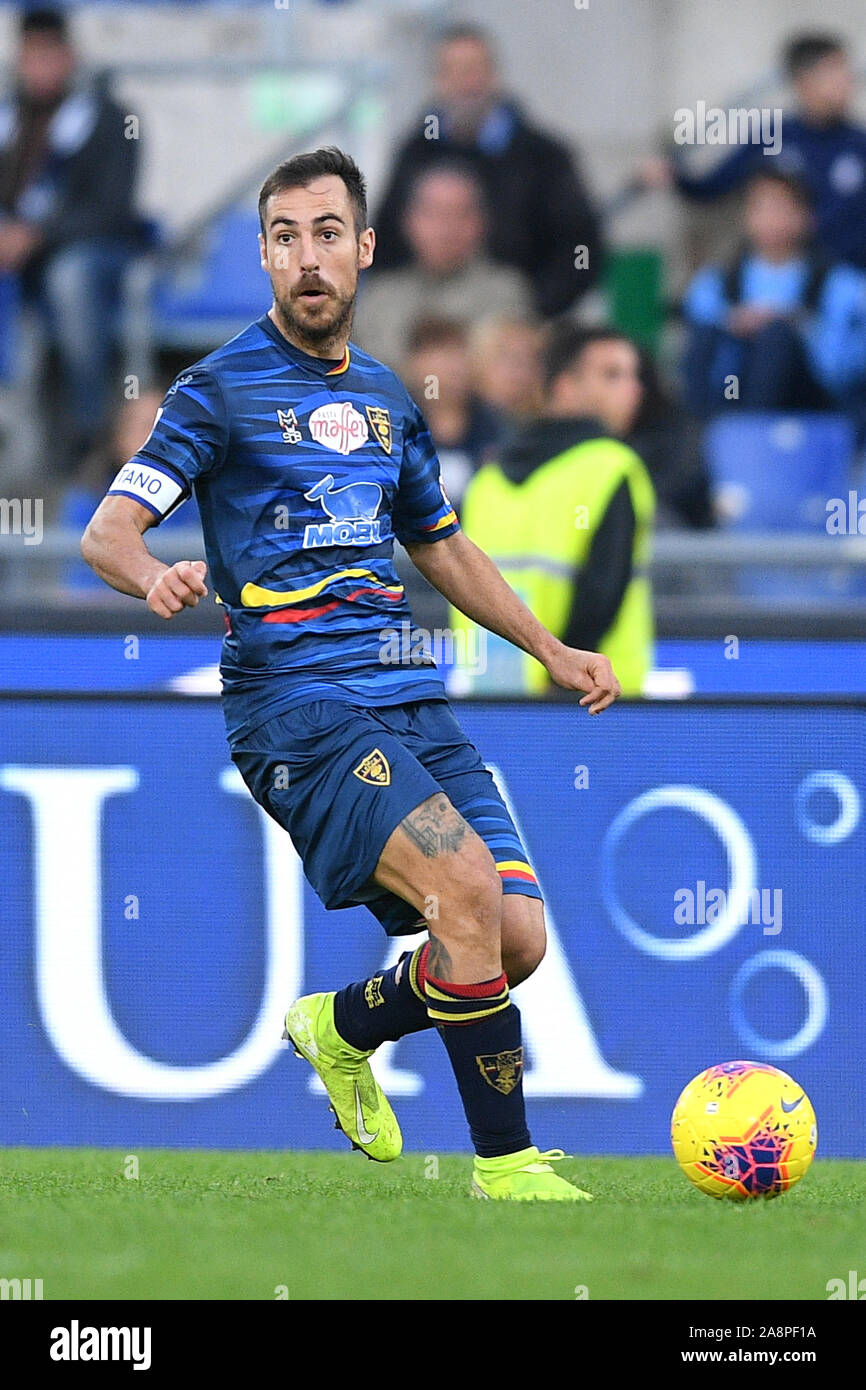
(298, 615)
(384, 593)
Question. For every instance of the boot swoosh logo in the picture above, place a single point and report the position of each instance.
(788, 1106)
(364, 1136)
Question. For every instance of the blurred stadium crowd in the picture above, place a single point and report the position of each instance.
(495, 294)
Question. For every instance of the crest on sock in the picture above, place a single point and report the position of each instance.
(502, 1070)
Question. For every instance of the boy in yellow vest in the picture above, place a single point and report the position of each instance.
(566, 514)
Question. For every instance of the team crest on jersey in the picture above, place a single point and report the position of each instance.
(339, 426)
(352, 510)
(288, 423)
(380, 424)
(502, 1070)
(374, 769)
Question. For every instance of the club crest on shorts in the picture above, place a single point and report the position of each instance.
(373, 992)
(502, 1070)
(374, 769)
(380, 424)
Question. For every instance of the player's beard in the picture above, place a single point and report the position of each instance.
(314, 328)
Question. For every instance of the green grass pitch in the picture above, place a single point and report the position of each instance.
(202, 1225)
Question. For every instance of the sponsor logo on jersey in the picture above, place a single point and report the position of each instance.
(374, 769)
(352, 510)
(380, 424)
(288, 423)
(339, 426)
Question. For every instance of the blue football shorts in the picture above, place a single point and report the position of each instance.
(340, 778)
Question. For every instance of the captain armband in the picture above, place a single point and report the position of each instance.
(159, 488)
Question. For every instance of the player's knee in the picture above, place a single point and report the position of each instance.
(522, 959)
(524, 936)
(471, 901)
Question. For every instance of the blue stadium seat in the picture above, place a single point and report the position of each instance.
(9, 303)
(776, 472)
(216, 293)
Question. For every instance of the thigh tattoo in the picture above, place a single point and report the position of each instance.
(436, 827)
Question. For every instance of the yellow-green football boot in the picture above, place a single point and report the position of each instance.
(524, 1177)
(360, 1106)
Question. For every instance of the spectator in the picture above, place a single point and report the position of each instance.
(67, 226)
(566, 511)
(128, 432)
(670, 443)
(506, 364)
(437, 373)
(783, 327)
(821, 144)
(539, 209)
(449, 274)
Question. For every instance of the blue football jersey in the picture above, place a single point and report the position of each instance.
(304, 472)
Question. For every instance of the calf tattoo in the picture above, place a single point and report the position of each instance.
(438, 960)
(435, 826)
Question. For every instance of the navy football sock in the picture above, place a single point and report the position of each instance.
(385, 1007)
(480, 1028)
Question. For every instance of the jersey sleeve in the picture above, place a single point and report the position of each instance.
(422, 511)
(188, 440)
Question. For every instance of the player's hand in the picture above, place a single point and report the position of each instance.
(589, 671)
(178, 587)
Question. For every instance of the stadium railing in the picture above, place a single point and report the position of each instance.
(695, 578)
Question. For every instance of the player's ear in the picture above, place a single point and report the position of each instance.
(366, 247)
(263, 252)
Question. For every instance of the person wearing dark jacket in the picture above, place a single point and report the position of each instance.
(542, 221)
(567, 511)
(820, 143)
(67, 221)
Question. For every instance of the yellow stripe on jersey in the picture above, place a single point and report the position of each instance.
(341, 366)
(519, 864)
(446, 520)
(253, 596)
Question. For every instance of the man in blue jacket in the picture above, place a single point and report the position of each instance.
(783, 327)
(820, 142)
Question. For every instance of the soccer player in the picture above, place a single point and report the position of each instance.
(308, 458)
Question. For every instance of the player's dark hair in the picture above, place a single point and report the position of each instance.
(302, 169)
(783, 178)
(566, 343)
(805, 50)
(44, 21)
